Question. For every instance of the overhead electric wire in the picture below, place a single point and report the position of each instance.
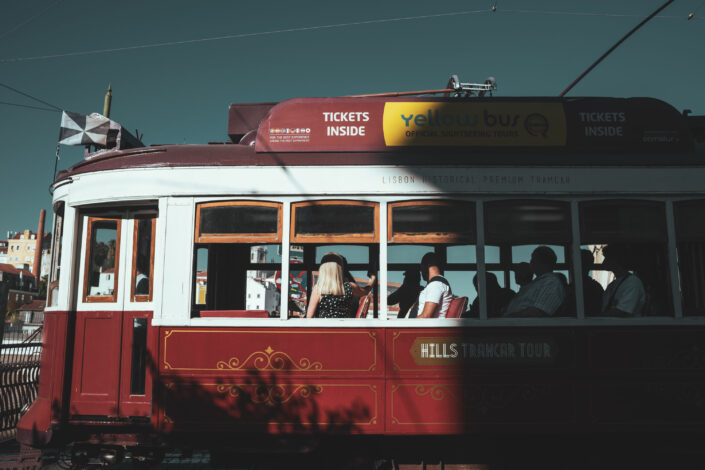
(492, 10)
(30, 96)
(29, 106)
(243, 35)
(28, 20)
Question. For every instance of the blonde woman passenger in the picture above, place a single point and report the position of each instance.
(331, 297)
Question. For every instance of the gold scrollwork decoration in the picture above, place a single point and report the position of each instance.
(270, 395)
(436, 392)
(269, 359)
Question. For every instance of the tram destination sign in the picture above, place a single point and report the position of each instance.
(398, 124)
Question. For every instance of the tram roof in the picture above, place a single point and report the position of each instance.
(430, 131)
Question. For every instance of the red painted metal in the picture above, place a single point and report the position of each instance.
(131, 405)
(36, 427)
(96, 365)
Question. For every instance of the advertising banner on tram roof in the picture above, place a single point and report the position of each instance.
(399, 124)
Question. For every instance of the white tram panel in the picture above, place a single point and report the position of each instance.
(139, 184)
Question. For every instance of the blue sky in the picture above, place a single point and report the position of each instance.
(181, 93)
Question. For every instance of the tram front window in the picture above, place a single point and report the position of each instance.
(527, 242)
(235, 269)
(102, 260)
(623, 244)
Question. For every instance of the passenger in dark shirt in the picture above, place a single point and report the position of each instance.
(498, 297)
(592, 290)
(407, 293)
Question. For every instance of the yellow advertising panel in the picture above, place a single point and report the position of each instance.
(510, 124)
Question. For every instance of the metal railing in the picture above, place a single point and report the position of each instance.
(19, 377)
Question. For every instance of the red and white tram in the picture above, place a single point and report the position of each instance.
(167, 320)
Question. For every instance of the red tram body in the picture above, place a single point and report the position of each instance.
(175, 364)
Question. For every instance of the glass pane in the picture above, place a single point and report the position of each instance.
(491, 254)
(262, 291)
(498, 295)
(354, 254)
(239, 219)
(138, 370)
(298, 298)
(143, 256)
(622, 221)
(522, 253)
(55, 271)
(407, 254)
(103, 250)
(634, 277)
(455, 218)
(201, 276)
(461, 254)
(529, 221)
(403, 288)
(334, 219)
(461, 284)
(266, 254)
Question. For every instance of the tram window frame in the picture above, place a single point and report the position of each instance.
(692, 300)
(437, 242)
(311, 242)
(135, 241)
(460, 238)
(253, 237)
(248, 240)
(633, 240)
(505, 243)
(56, 245)
(88, 250)
(331, 238)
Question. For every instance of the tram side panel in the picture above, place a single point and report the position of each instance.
(272, 380)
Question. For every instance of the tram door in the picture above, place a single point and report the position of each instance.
(114, 344)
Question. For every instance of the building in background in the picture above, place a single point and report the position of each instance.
(22, 248)
(21, 287)
(3, 251)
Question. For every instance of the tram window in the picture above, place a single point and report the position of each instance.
(432, 221)
(238, 221)
(143, 259)
(237, 259)
(102, 266)
(55, 270)
(444, 227)
(690, 239)
(334, 221)
(514, 231)
(237, 280)
(623, 244)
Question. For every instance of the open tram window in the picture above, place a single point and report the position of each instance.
(237, 259)
(55, 270)
(102, 260)
(690, 239)
(344, 233)
(445, 228)
(623, 243)
(143, 259)
(526, 246)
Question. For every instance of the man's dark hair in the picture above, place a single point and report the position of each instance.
(617, 254)
(586, 259)
(431, 259)
(545, 256)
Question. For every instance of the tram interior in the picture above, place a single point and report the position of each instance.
(234, 274)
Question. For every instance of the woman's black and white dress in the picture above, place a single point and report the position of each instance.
(337, 306)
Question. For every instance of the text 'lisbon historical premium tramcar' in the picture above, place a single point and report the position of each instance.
(181, 277)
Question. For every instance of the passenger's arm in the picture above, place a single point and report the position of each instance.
(428, 309)
(363, 291)
(313, 302)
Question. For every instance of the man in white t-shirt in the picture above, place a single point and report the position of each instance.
(545, 294)
(435, 299)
